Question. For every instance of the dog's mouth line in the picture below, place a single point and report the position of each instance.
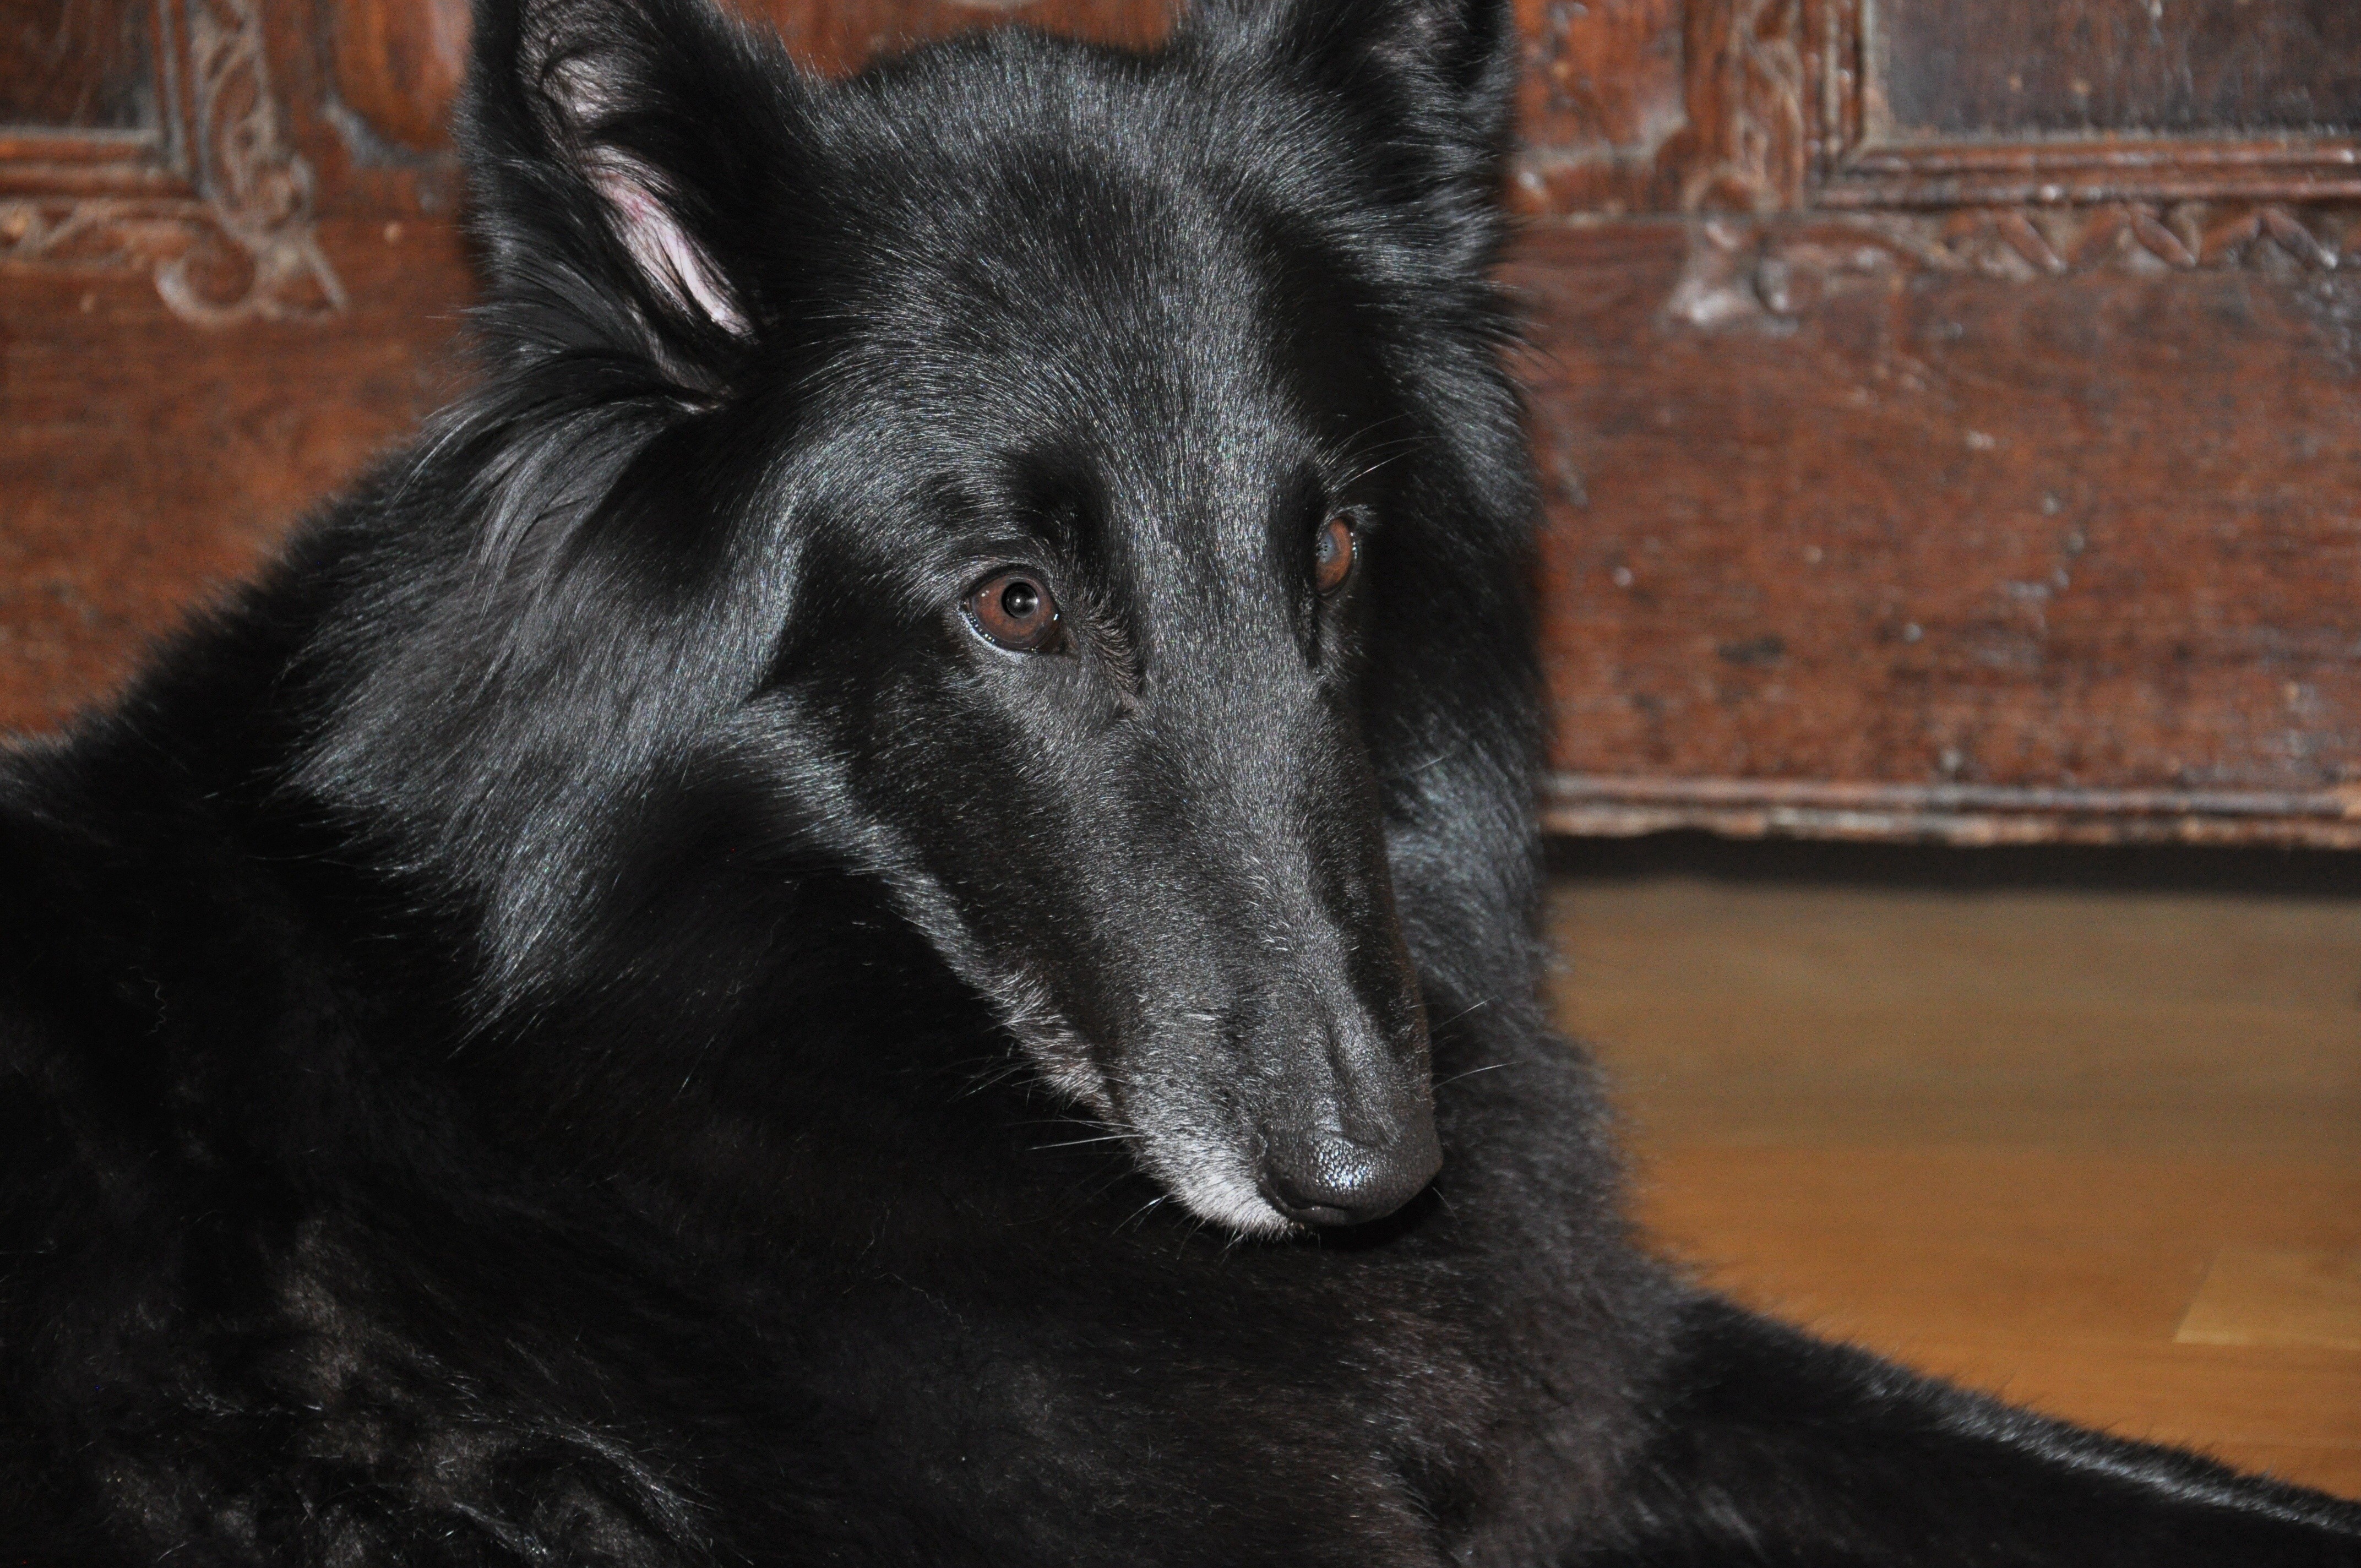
(1211, 1177)
(1204, 1173)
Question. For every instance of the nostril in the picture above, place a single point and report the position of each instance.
(1325, 1180)
(1307, 1203)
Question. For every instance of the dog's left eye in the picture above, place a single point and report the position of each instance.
(1016, 610)
(1333, 552)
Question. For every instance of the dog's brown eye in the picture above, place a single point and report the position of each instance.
(1016, 610)
(1332, 553)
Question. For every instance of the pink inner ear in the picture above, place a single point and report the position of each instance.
(671, 260)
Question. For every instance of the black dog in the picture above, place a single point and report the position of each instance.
(847, 921)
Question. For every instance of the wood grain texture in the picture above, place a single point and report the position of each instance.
(2152, 1026)
(145, 462)
(839, 36)
(1879, 505)
(1959, 68)
(1939, 528)
(2008, 1134)
(2276, 1296)
(78, 64)
(1940, 104)
(399, 65)
(1603, 112)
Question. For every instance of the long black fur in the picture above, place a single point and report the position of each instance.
(590, 1017)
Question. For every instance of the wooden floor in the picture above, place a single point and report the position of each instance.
(2099, 1151)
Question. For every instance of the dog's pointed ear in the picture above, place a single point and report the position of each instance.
(622, 152)
(1451, 64)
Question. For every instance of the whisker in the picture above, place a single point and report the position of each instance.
(1471, 1007)
(1471, 1072)
(1141, 1212)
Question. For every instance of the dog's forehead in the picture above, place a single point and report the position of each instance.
(1093, 299)
(1138, 328)
(1049, 264)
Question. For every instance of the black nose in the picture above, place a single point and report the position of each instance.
(1325, 1179)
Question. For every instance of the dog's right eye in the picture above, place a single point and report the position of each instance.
(1016, 612)
(1333, 552)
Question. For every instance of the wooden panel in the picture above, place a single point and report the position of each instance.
(77, 64)
(1603, 111)
(146, 461)
(839, 36)
(399, 64)
(214, 195)
(1789, 103)
(1953, 67)
(1936, 103)
(2009, 510)
(82, 101)
(1918, 462)
(1841, 508)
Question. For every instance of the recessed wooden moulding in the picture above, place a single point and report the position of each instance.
(147, 133)
(83, 105)
(1941, 103)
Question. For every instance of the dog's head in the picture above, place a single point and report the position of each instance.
(1075, 492)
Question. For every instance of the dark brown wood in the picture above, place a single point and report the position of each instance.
(838, 35)
(1754, 105)
(1720, 86)
(2012, 507)
(1604, 95)
(1943, 103)
(1924, 458)
(1945, 69)
(78, 64)
(399, 64)
(94, 163)
(2312, 170)
(1978, 816)
(1834, 508)
(147, 462)
(214, 195)
(84, 103)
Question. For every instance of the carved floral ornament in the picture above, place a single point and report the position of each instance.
(1743, 269)
(236, 241)
(1797, 200)
(1774, 93)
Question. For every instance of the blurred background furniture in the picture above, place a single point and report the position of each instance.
(1948, 406)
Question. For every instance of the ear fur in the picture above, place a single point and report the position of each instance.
(1451, 64)
(621, 151)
